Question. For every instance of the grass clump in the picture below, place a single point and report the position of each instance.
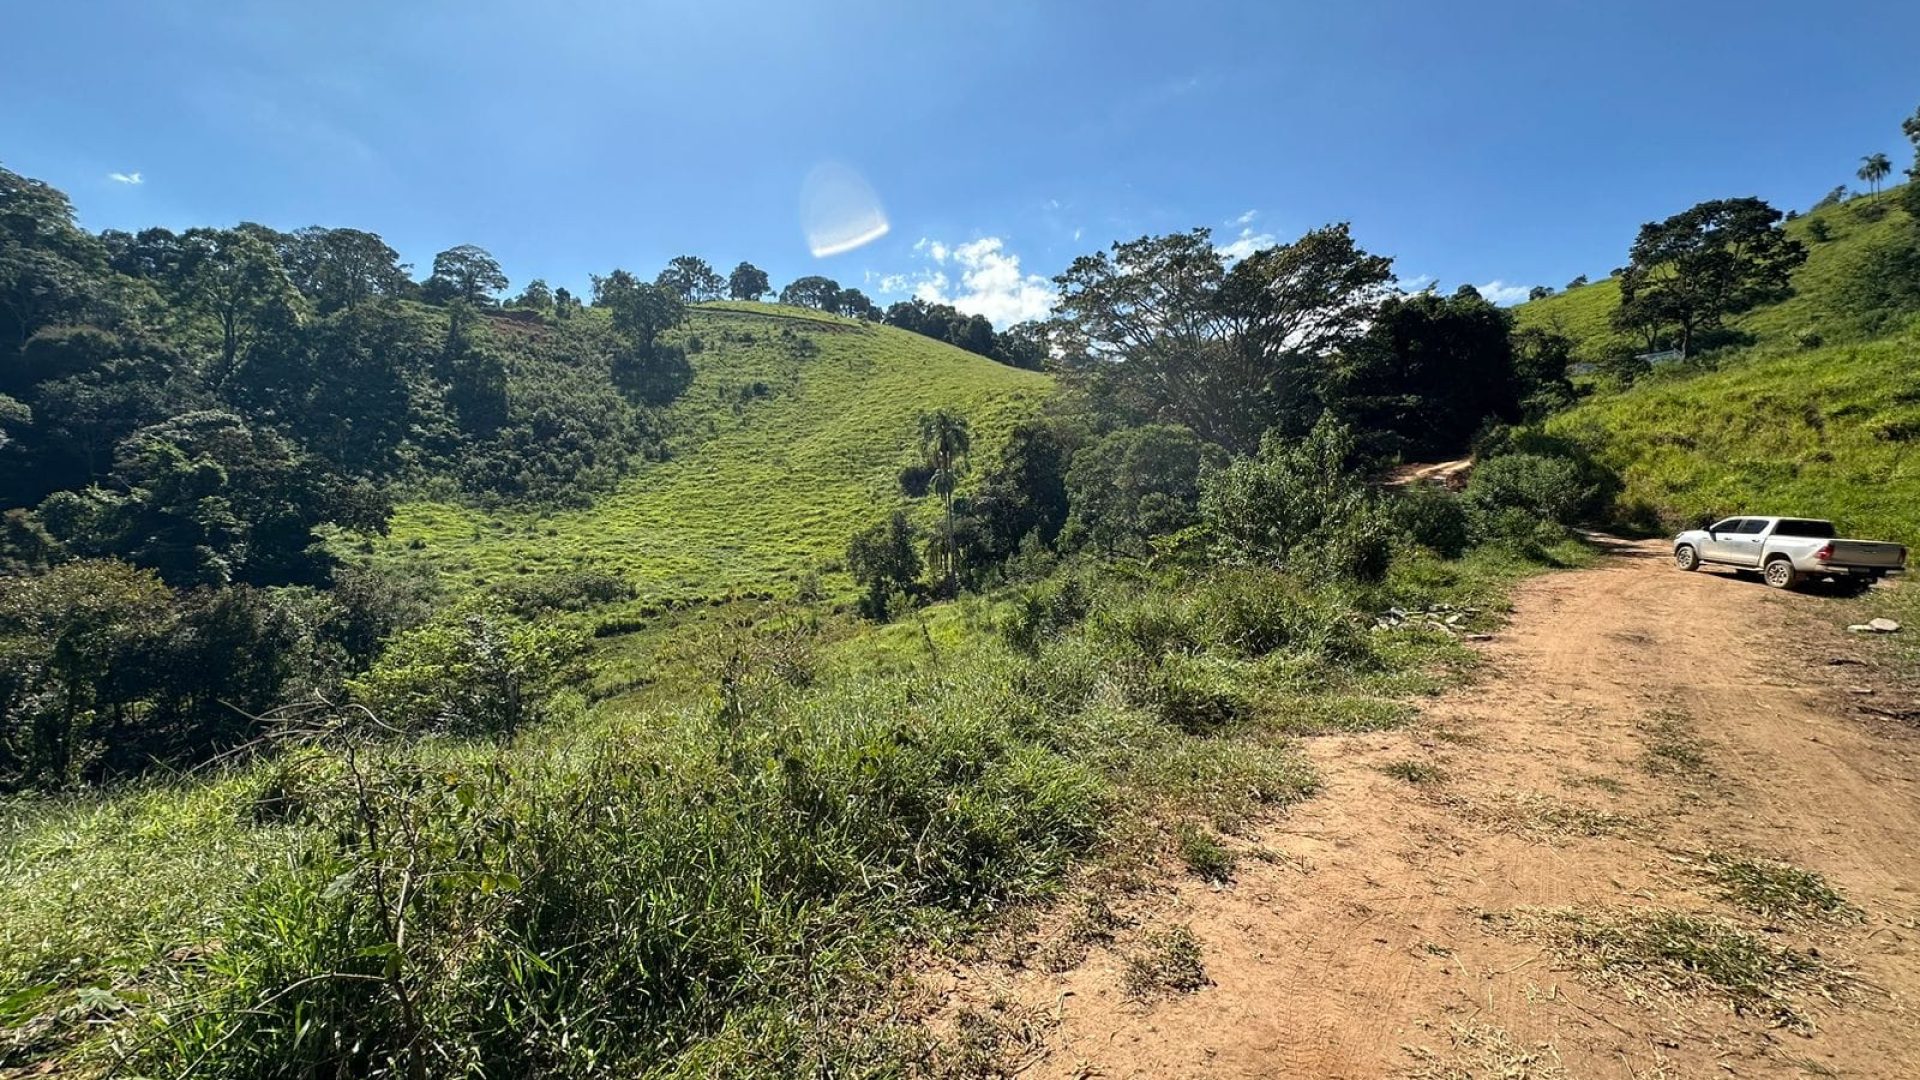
(1168, 961)
(1673, 952)
(1414, 772)
(1770, 888)
(1203, 854)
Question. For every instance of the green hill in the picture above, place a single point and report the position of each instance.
(1831, 432)
(1821, 304)
(1815, 413)
(789, 440)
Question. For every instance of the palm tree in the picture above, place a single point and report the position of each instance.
(944, 444)
(1874, 169)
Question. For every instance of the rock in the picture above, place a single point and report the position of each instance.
(1884, 626)
(1861, 628)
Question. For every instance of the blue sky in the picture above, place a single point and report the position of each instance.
(1516, 143)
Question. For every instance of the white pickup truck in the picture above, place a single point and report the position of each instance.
(1787, 550)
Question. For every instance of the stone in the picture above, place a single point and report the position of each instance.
(1884, 626)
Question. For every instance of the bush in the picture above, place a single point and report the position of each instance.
(1191, 693)
(572, 590)
(1304, 499)
(1043, 610)
(1434, 518)
(475, 672)
(1547, 488)
(1254, 612)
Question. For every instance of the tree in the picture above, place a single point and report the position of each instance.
(1227, 353)
(748, 282)
(945, 443)
(1691, 271)
(236, 277)
(1873, 169)
(1428, 372)
(203, 499)
(883, 559)
(638, 311)
(1134, 484)
(1539, 292)
(1024, 491)
(812, 291)
(1026, 345)
(466, 273)
(689, 278)
(1541, 359)
(1910, 195)
(342, 268)
(535, 297)
(1577, 282)
(49, 266)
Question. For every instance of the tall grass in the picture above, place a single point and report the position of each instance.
(716, 887)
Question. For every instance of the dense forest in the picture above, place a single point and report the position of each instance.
(352, 820)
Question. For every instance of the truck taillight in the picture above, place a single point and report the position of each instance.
(1825, 553)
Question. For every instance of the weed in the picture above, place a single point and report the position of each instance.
(1204, 854)
(1414, 772)
(1167, 962)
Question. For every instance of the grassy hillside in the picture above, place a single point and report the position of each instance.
(788, 441)
(1854, 229)
(1829, 432)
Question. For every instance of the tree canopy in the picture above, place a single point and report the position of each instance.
(1691, 271)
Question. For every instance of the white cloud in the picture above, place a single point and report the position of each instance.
(1078, 233)
(1501, 293)
(133, 178)
(989, 281)
(1245, 244)
(1418, 283)
(1246, 218)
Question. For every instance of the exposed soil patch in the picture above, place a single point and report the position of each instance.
(1661, 837)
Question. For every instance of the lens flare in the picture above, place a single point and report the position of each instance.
(839, 210)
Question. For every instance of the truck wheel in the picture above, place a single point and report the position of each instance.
(1781, 574)
(1686, 558)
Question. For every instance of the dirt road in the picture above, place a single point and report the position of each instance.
(1500, 913)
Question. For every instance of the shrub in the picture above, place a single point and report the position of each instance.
(885, 561)
(1434, 518)
(570, 590)
(1301, 498)
(1190, 693)
(1819, 231)
(1547, 488)
(1254, 611)
(480, 671)
(1043, 610)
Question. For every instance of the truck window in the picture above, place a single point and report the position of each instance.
(1749, 526)
(1811, 530)
(1724, 526)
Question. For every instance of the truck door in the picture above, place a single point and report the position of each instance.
(1720, 544)
(1743, 544)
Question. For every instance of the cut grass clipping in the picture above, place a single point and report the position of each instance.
(1655, 952)
(1167, 962)
(1769, 888)
(1483, 1051)
(1672, 747)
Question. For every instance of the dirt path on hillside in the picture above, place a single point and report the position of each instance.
(1631, 717)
